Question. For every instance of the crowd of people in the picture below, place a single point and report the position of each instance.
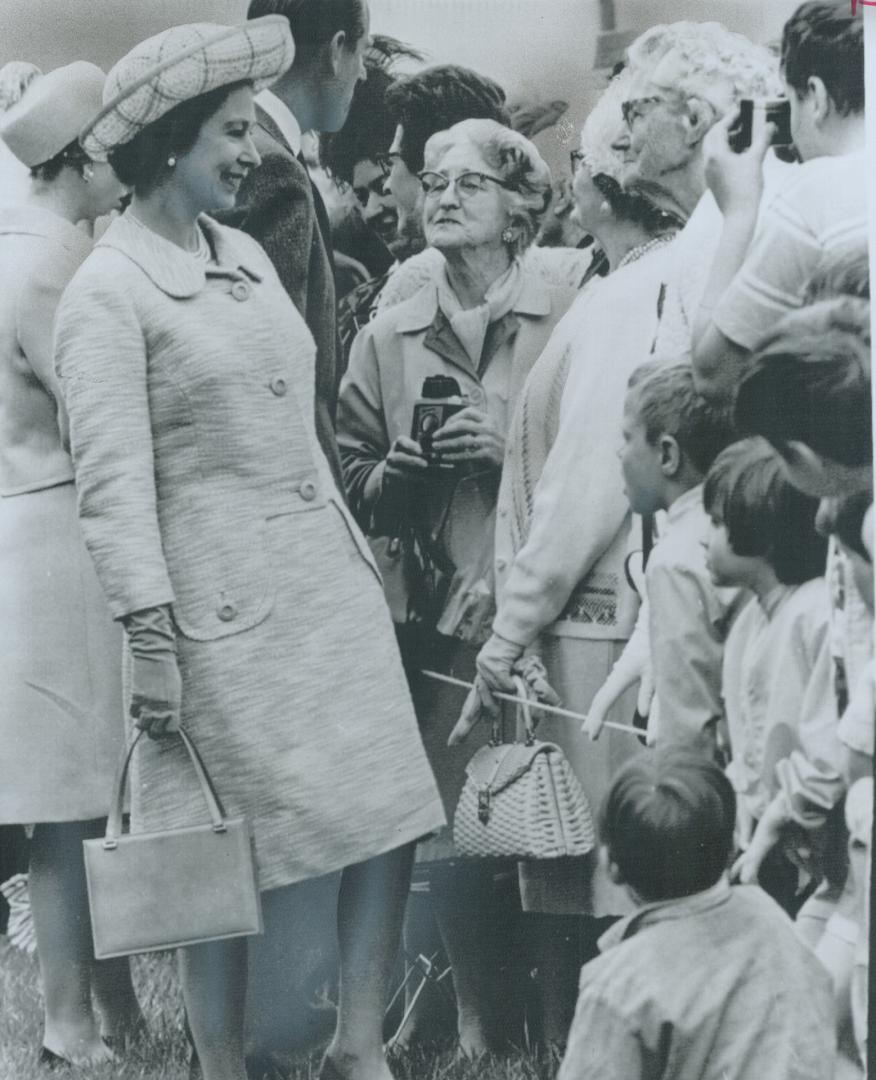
(228, 506)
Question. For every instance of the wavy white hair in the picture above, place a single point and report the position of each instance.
(706, 60)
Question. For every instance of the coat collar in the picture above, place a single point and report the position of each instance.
(26, 220)
(421, 310)
(275, 116)
(173, 270)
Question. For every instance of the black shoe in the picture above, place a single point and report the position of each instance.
(52, 1060)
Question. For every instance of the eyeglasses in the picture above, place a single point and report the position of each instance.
(637, 107)
(467, 183)
(575, 157)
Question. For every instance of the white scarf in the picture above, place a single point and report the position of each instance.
(471, 324)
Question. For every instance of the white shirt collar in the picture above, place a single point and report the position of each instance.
(283, 117)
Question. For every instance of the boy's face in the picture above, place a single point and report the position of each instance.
(644, 482)
(724, 565)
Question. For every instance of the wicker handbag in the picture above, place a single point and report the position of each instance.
(522, 800)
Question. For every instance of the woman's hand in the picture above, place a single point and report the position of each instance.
(767, 834)
(736, 179)
(479, 704)
(404, 463)
(602, 701)
(495, 662)
(156, 685)
(156, 695)
(470, 436)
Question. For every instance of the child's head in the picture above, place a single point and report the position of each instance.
(670, 435)
(667, 823)
(808, 393)
(758, 515)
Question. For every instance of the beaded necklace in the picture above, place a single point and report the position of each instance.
(640, 250)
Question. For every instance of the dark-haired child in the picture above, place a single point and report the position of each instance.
(704, 981)
(778, 695)
(808, 393)
(670, 438)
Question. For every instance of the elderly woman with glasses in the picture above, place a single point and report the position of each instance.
(428, 498)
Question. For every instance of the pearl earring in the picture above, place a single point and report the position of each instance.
(605, 207)
(507, 235)
(171, 161)
(88, 173)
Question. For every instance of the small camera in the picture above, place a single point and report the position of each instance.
(440, 398)
(777, 113)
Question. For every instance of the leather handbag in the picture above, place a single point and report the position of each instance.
(164, 890)
(522, 800)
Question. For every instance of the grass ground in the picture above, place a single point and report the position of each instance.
(163, 1054)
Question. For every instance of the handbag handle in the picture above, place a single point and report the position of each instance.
(523, 710)
(114, 821)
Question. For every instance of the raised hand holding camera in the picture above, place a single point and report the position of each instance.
(736, 176)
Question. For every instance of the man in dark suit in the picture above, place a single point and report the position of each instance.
(277, 203)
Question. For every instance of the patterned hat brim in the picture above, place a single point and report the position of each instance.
(266, 51)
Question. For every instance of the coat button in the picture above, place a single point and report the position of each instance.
(307, 491)
(240, 290)
(278, 386)
(476, 396)
(501, 564)
(227, 612)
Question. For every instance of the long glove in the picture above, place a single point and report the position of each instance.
(155, 680)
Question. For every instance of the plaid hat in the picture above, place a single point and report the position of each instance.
(182, 63)
(51, 111)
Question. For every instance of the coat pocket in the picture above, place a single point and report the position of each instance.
(221, 574)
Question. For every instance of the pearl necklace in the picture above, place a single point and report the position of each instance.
(640, 250)
(202, 252)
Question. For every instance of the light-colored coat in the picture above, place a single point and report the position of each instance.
(390, 359)
(202, 485)
(61, 722)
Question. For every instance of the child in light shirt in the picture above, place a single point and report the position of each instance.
(778, 695)
(704, 981)
(670, 438)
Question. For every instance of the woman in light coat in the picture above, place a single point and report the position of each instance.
(481, 321)
(254, 611)
(564, 530)
(61, 723)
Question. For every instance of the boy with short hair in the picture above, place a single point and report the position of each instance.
(704, 981)
(671, 435)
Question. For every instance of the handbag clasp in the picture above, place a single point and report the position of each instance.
(484, 805)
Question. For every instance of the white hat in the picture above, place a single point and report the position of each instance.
(51, 112)
(182, 63)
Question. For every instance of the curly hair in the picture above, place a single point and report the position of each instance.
(825, 38)
(15, 78)
(708, 61)
(436, 99)
(516, 160)
(747, 490)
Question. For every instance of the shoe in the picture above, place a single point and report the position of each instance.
(52, 1060)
